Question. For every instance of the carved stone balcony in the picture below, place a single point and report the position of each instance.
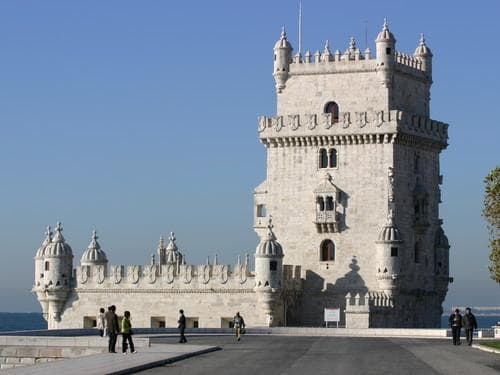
(326, 222)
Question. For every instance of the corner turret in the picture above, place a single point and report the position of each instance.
(268, 274)
(386, 48)
(424, 54)
(38, 287)
(389, 256)
(442, 259)
(57, 266)
(282, 59)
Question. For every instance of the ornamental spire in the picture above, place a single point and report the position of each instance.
(59, 237)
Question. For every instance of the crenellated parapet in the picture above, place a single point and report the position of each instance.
(170, 276)
(318, 129)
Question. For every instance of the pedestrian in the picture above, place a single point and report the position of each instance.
(239, 325)
(127, 334)
(455, 321)
(101, 322)
(182, 326)
(112, 327)
(470, 323)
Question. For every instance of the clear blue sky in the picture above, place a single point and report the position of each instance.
(139, 117)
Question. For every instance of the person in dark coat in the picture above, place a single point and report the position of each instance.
(469, 323)
(182, 326)
(455, 321)
(112, 327)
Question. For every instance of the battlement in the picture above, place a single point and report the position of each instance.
(349, 128)
(204, 277)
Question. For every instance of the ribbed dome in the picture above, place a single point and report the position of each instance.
(385, 34)
(283, 41)
(48, 238)
(58, 246)
(94, 253)
(441, 241)
(389, 232)
(422, 48)
(269, 247)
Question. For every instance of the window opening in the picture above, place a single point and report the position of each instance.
(327, 251)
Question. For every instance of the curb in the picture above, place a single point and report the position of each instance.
(486, 349)
(162, 362)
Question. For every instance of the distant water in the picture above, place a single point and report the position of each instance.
(21, 321)
(482, 321)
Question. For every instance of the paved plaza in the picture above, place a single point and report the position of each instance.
(331, 355)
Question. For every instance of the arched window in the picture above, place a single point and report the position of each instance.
(333, 158)
(327, 251)
(333, 108)
(323, 158)
(320, 204)
(329, 203)
(47, 266)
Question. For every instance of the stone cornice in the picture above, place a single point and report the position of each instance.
(162, 291)
(352, 128)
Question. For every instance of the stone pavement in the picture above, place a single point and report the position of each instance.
(107, 364)
(278, 355)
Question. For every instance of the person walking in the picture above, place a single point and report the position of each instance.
(239, 325)
(455, 321)
(101, 322)
(127, 334)
(469, 323)
(182, 326)
(112, 328)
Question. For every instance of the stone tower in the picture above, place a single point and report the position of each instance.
(353, 183)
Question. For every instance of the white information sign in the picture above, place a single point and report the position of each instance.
(332, 315)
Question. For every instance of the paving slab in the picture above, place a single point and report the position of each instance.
(115, 364)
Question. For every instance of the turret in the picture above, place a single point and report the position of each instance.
(282, 59)
(268, 273)
(386, 46)
(389, 256)
(58, 268)
(38, 287)
(442, 258)
(94, 255)
(424, 54)
(172, 253)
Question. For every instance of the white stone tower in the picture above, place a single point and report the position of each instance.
(352, 117)
(54, 275)
(269, 276)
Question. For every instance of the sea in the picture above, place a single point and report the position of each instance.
(35, 321)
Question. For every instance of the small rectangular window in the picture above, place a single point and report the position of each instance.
(388, 51)
(261, 210)
(47, 266)
(394, 251)
(273, 265)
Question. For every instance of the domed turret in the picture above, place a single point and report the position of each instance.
(442, 258)
(268, 274)
(268, 261)
(424, 54)
(94, 255)
(57, 269)
(39, 287)
(389, 256)
(282, 59)
(386, 45)
(170, 254)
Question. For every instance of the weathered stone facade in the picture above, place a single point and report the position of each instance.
(353, 189)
